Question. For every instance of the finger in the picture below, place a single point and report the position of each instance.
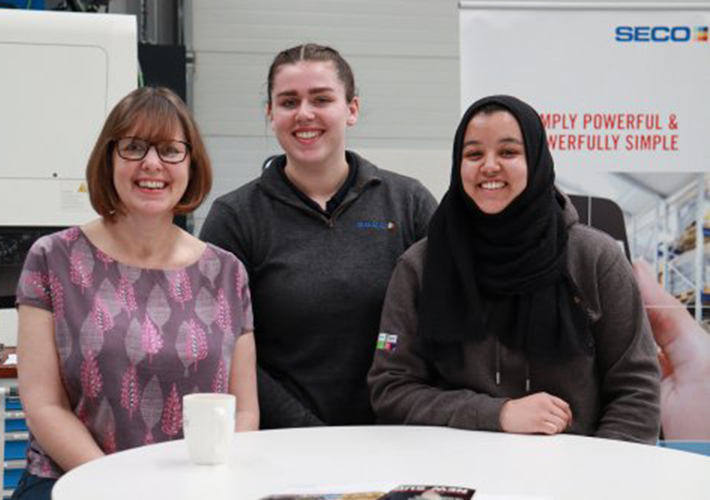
(569, 416)
(546, 427)
(652, 293)
(561, 405)
(553, 425)
(668, 316)
(562, 415)
(666, 365)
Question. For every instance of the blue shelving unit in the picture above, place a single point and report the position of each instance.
(25, 4)
(16, 435)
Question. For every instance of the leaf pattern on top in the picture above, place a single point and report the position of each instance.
(106, 332)
(91, 338)
(205, 306)
(130, 391)
(191, 343)
(42, 246)
(134, 342)
(46, 288)
(64, 343)
(210, 265)
(70, 234)
(129, 273)
(158, 306)
(109, 296)
(180, 286)
(151, 338)
(224, 315)
(103, 320)
(126, 295)
(103, 258)
(171, 423)
(228, 342)
(81, 265)
(91, 380)
(105, 424)
(219, 382)
(36, 285)
(109, 441)
(151, 407)
(82, 412)
(56, 290)
(46, 469)
(63, 339)
(241, 281)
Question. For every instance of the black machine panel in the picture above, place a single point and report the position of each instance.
(15, 242)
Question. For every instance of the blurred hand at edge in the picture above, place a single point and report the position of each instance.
(684, 355)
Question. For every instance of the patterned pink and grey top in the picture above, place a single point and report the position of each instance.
(132, 341)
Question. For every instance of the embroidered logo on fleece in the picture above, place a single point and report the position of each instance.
(374, 224)
(386, 341)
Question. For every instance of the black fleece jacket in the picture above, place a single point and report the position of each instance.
(317, 285)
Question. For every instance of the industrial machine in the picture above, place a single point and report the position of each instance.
(61, 75)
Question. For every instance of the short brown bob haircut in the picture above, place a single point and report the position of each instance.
(154, 114)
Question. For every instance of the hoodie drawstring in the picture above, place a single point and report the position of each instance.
(497, 362)
(527, 377)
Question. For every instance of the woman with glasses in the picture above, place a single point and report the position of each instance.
(121, 317)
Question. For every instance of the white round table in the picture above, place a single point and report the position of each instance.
(497, 465)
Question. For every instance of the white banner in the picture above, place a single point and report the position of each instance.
(623, 92)
(621, 87)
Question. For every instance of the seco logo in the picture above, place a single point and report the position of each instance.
(661, 34)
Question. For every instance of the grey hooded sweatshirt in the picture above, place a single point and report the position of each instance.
(614, 393)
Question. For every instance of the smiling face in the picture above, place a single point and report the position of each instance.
(150, 187)
(493, 167)
(309, 113)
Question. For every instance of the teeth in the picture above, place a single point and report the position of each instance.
(493, 185)
(151, 184)
(307, 135)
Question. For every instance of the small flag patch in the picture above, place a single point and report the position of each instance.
(386, 341)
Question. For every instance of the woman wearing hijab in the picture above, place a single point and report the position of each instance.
(512, 316)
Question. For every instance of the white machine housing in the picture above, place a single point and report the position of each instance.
(61, 75)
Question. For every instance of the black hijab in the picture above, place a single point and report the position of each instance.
(519, 253)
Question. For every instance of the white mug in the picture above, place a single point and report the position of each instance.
(208, 425)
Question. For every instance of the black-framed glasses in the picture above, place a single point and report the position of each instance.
(135, 149)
